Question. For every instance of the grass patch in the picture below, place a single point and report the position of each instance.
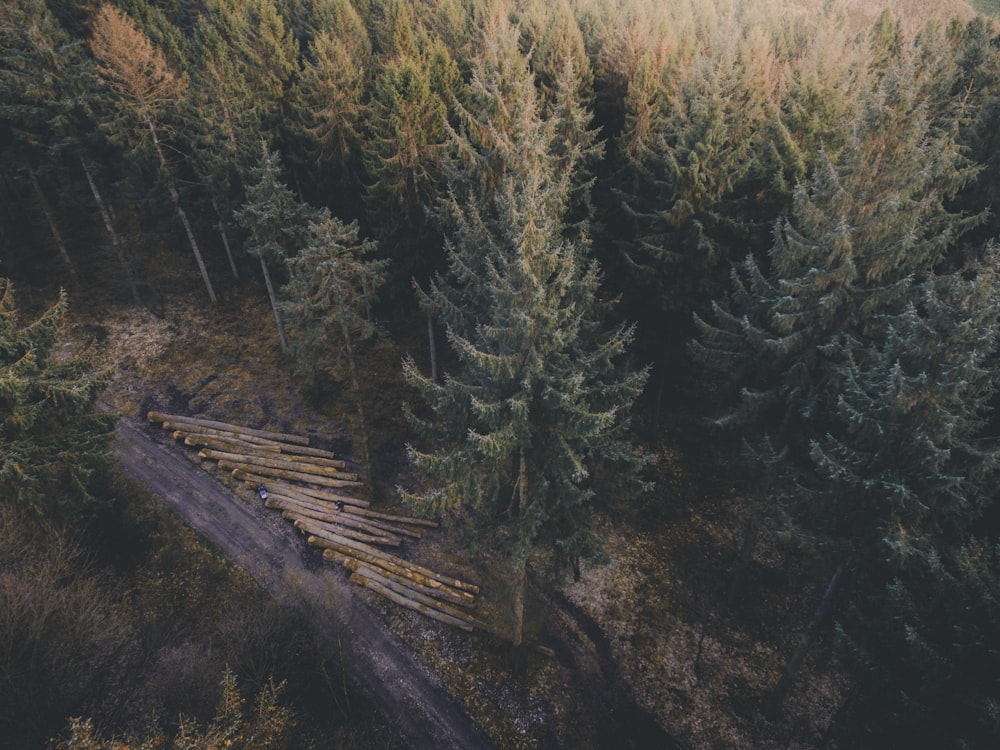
(986, 7)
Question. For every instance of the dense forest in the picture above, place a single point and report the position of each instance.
(594, 233)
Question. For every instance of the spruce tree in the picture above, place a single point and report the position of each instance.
(277, 225)
(54, 446)
(859, 370)
(532, 425)
(327, 302)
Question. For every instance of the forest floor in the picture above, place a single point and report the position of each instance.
(648, 652)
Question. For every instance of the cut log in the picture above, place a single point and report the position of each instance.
(349, 547)
(295, 476)
(338, 518)
(336, 463)
(334, 552)
(273, 462)
(293, 490)
(331, 514)
(319, 528)
(194, 429)
(409, 603)
(327, 494)
(440, 592)
(155, 416)
(332, 533)
(234, 445)
(305, 450)
(414, 595)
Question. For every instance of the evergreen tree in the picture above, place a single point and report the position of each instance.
(328, 104)
(925, 674)
(275, 222)
(844, 350)
(54, 445)
(533, 423)
(327, 302)
(403, 150)
(145, 86)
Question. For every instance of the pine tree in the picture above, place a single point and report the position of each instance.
(275, 222)
(845, 351)
(533, 423)
(54, 445)
(327, 303)
(138, 74)
(926, 660)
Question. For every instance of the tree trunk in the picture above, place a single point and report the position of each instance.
(358, 401)
(225, 238)
(176, 198)
(116, 241)
(274, 305)
(775, 703)
(520, 566)
(432, 344)
(53, 227)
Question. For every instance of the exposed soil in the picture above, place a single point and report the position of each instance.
(647, 652)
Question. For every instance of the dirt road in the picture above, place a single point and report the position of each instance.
(427, 717)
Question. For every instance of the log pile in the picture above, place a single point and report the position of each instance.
(310, 487)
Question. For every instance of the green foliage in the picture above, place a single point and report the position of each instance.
(55, 445)
(327, 300)
(276, 223)
(534, 423)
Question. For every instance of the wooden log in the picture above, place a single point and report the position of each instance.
(196, 430)
(336, 517)
(400, 564)
(295, 476)
(439, 592)
(305, 450)
(327, 531)
(334, 552)
(336, 463)
(284, 437)
(292, 490)
(413, 594)
(394, 518)
(331, 514)
(326, 494)
(234, 445)
(319, 528)
(409, 603)
(274, 462)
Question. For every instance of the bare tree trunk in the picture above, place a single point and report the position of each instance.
(274, 305)
(191, 240)
(432, 344)
(358, 401)
(774, 704)
(53, 227)
(225, 239)
(116, 241)
(521, 566)
(176, 198)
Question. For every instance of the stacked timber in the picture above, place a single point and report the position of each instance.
(310, 487)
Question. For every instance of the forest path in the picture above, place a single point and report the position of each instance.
(424, 713)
